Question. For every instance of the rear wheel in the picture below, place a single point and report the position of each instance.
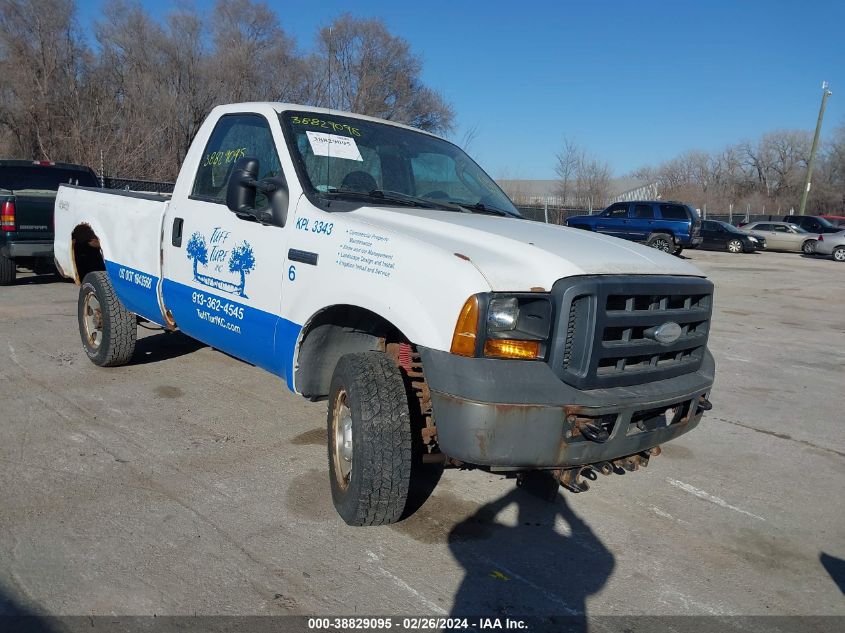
(661, 242)
(7, 271)
(839, 253)
(734, 246)
(107, 328)
(808, 247)
(369, 439)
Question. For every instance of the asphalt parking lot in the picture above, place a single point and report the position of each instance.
(189, 482)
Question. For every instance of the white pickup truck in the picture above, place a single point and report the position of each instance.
(378, 267)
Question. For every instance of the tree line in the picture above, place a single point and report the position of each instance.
(765, 175)
(134, 94)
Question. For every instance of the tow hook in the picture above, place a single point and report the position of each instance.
(590, 428)
(704, 404)
(593, 432)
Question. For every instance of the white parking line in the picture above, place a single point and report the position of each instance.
(432, 606)
(701, 494)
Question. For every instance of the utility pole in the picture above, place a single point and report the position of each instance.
(825, 94)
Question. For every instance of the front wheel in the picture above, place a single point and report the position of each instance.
(839, 253)
(107, 328)
(734, 246)
(808, 247)
(661, 242)
(369, 439)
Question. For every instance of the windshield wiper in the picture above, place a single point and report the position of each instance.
(397, 197)
(484, 208)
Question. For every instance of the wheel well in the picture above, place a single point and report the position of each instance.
(86, 254)
(332, 333)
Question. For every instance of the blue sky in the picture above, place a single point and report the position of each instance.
(634, 82)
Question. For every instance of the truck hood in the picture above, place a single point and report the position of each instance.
(521, 255)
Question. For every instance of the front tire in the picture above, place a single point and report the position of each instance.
(8, 271)
(661, 242)
(369, 447)
(108, 330)
(734, 246)
(839, 254)
(808, 247)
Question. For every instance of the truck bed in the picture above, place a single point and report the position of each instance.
(126, 227)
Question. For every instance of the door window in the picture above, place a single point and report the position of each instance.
(235, 136)
(762, 227)
(780, 228)
(616, 211)
(644, 211)
(673, 212)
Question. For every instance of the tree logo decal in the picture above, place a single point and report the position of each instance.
(212, 265)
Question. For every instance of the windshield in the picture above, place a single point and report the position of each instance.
(19, 178)
(730, 228)
(348, 158)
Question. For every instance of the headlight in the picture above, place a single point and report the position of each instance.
(502, 314)
(514, 326)
(752, 238)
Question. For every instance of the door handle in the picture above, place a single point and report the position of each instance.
(176, 234)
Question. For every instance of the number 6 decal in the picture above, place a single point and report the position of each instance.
(292, 273)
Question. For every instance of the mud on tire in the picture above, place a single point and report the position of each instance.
(369, 439)
(107, 329)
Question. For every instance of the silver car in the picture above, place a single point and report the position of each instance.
(783, 236)
(832, 244)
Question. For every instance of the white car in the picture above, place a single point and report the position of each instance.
(832, 244)
(783, 236)
(378, 267)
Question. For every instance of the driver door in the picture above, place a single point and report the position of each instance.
(223, 273)
(614, 220)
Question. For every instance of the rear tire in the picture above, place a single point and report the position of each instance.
(108, 330)
(369, 447)
(661, 241)
(734, 246)
(8, 271)
(839, 254)
(808, 247)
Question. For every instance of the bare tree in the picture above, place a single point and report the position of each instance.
(569, 163)
(138, 98)
(363, 68)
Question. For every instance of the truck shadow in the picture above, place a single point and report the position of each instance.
(18, 618)
(530, 570)
(163, 346)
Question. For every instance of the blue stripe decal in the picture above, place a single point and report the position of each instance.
(258, 337)
(137, 290)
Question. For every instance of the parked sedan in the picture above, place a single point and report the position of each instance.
(722, 236)
(832, 244)
(783, 236)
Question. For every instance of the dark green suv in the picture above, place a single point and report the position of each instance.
(27, 194)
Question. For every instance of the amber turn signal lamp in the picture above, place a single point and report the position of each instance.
(506, 348)
(466, 329)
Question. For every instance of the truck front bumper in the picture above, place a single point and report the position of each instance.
(520, 415)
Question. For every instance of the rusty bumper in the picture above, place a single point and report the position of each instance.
(519, 415)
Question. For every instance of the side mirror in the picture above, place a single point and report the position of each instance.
(240, 193)
(243, 188)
